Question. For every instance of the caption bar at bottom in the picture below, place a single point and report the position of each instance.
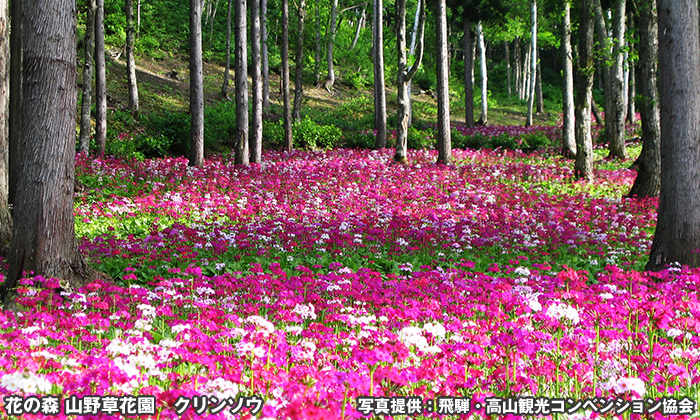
(522, 406)
(126, 405)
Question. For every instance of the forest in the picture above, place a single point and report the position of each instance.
(401, 209)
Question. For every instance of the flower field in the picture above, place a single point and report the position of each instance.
(320, 277)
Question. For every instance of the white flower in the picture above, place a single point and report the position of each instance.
(534, 304)
(522, 271)
(673, 332)
(437, 330)
(606, 296)
(182, 327)
(630, 384)
(27, 383)
(563, 310)
(305, 311)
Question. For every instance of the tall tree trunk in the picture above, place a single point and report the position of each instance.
(43, 240)
(5, 217)
(227, 67)
(507, 45)
(583, 167)
(615, 113)
(518, 71)
(405, 75)
(242, 156)
(15, 123)
(379, 86)
(568, 133)
(444, 140)
(85, 114)
(130, 61)
(468, 73)
(526, 72)
(483, 119)
(299, 70)
(317, 61)
(533, 63)
(411, 53)
(265, 65)
(677, 237)
(359, 27)
(631, 87)
(648, 181)
(196, 86)
(138, 17)
(330, 78)
(538, 90)
(100, 79)
(256, 131)
(288, 138)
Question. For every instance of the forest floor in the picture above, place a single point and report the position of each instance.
(159, 92)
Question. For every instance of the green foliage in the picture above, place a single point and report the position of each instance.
(219, 123)
(309, 135)
(306, 133)
(535, 141)
(360, 140)
(174, 126)
(421, 139)
(504, 141)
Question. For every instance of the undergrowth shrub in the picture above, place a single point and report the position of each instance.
(307, 135)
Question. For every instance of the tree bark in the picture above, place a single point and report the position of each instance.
(615, 114)
(411, 53)
(265, 62)
(299, 70)
(444, 140)
(533, 63)
(568, 132)
(43, 239)
(648, 180)
(100, 79)
(468, 74)
(196, 86)
(630, 71)
(130, 61)
(85, 111)
(405, 75)
(288, 138)
(256, 131)
(242, 154)
(15, 123)
(518, 70)
(5, 216)
(359, 27)
(483, 119)
(317, 61)
(227, 67)
(507, 45)
(379, 86)
(596, 113)
(538, 90)
(583, 167)
(677, 237)
(330, 78)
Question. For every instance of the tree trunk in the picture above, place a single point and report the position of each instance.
(299, 70)
(526, 73)
(43, 240)
(518, 71)
(533, 63)
(411, 53)
(85, 112)
(227, 67)
(444, 140)
(130, 62)
(288, 138)
(196, 86)
(379, 86)
(507, 45)
(5, 217)
(265, 65)
(405, 75)
(538, 90)
(483, 119)
(596, 113)
(583, 167)
(615, 113)
(631, 87)
(15, 123)
(330, 78)
(359, 26)
(468, 74)
(648, 180)
(256, 131)
(242, 155)
(317, 61)
(568, 133)
(677, 237)
(100, 79)
(138, 17)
